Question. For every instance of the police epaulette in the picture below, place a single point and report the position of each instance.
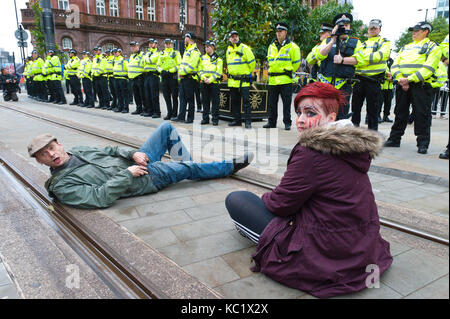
(354, 38)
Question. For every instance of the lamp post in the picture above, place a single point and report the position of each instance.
(426, 12)
(182, 19)
(48, 25)
(205, 19)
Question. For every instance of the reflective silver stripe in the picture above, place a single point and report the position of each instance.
(419, 76)
(395, 74)
(372, 71)
(429, 68)
(411, 66)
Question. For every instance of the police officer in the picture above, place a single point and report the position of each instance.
(72, 69)
(85, 74)
(27, 75)
(311, 59)
(210, 77)
(100, 80)
(151, 81)
(284, 59)
(9, 85)
(38, 78)
(370, 73)
(168, 62)
(188, 74)
(387, 91)
(413, 70)
(121, 82)
(135, 74)
(240, 63)
(110, 59)
(338, 55)
(46, 69)
(444, 49)
(55, 77)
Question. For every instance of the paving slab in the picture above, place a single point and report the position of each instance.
(435, 290)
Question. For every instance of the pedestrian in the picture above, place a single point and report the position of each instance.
(136, 76)
(240, 63)
(284, 59)
(151, 81)
(210, 77)
(311, 234)
(89, 177)
(168, 63)
(121, 82)
(188, 74)
(370, 73)
(338, 55)
(413, 71)
(311, 59)
(9, 85)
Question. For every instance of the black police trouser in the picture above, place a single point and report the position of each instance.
(343, 112)
(138, 90)
(75, 87)
(420, 96)
(198, 98)
(101, 83)
(210, 97)
(112, 89)
(59, 92)
(50, 91)
(169, 88)
(285, 91)
(151, 91)
(28, 86)
(10, 96)
(88, 91)
(121, 87)
(371, 92)
(239, 95)
(41, 90)
(386, 101)
(187, 92)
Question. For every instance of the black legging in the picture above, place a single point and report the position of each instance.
(249, 213)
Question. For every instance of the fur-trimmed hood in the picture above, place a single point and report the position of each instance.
(355, 145)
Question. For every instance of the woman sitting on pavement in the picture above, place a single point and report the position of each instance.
(319, 230)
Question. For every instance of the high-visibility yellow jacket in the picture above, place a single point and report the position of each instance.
(85, 69)
(36, 69)
(136, 65)
(440, 77)
(27, 69)
(282, 58)
(211, 67)
(339, 81)
(417, 61)
(99, 66)
(72, 66)
(191, 61)
(151, 60)
(444, 47)
(387, 85)
(120, 68)
(54, 68)
(240, 61)
(169, 60)
(110, 65)
(376, 52)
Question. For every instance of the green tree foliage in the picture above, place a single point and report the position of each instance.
(440, 30)
(36, 32)
(256, 19)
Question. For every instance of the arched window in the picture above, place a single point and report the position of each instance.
(114, 8)
(140, 9)
(151, 10)
(66, 43)
(110, 46)
(100, 7)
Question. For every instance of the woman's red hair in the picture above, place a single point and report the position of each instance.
(331, 97)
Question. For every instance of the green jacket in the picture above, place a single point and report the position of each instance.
(99, 182)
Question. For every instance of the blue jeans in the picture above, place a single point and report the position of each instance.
(166, 138)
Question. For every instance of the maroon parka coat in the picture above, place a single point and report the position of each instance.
(326, 237)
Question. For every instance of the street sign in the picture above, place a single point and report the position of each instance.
(21, 34)
(21, 44)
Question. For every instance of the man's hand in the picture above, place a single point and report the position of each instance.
(338, 59)
(7, 81)
(138, 170)
(207, 81)
(404, 83)
(140, 158)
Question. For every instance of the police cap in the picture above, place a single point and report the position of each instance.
(281, 26)
(325, 27)
(233, 33)
(189, 35)
(73, 51)
(210, 43)
(167, 40)
(114, 50)
(375, 23)
(423, 25)
(339, 18)
(134, 43)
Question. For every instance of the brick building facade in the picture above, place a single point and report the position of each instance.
(114, 23)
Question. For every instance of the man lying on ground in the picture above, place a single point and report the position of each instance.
(88, 177)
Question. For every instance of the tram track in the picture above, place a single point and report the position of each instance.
(264, 185)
